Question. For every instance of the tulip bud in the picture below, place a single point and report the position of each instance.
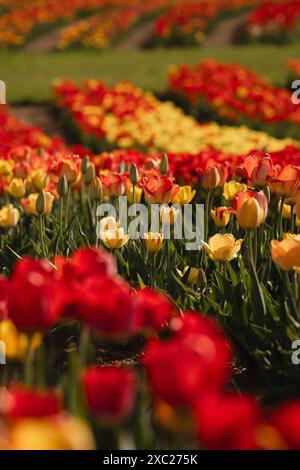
(164, 165)
(96, 191)
(134, 174)
(121, 167)
(62, 186)
(90, 174)
(40, 203)
(84, 164)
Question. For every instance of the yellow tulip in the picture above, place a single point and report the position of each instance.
(232, 188)
(61, 432)
(286, 253)
(222, 247)
(114, 239)
(9, 216)
(17, 188)
(193, 277)
(250, 214)
(184, 195)
(16, 343)
(137, 194)
(286, 212)
(220, 216)
(6, 168)
(29, 204)
(153, 241)
(37, 180)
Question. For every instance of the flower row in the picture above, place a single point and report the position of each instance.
(188, 23)
(274, 19)
(124, 116)
(234, 93)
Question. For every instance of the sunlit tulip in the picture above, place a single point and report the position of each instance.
(214, 176)
(286, 253)
(17, 188)
(17, 344)
(249, 214)
(68, 167)
(286, 182)
(159, 189)
(258, 170)
(232, 188)
(168, 215)
(222, 247)
(153, 241)
(29, 204)
(114, 239)
(184, 195)
(251, 209)
(9, 216)
(113, 184)
(221, 216)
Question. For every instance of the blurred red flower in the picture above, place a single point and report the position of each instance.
(109, 392)
(21, 402)
(153, 310)
(34, 298)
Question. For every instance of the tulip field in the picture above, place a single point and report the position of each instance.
(150, 243)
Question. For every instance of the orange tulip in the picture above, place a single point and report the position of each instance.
(286, 253)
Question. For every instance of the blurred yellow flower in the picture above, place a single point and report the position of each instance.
(61, 432)
(17, 188)
(286, 253)
(29, 204)
(16, 343)
(9, 216)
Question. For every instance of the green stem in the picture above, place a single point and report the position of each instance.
(68, 206)
(279, 229)
(42, 234)
(292, 219)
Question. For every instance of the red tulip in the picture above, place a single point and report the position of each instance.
(109, 392)
(159, 189)
(287, 180)
(192, 363)
(257, 169)
(153, 310)
(113, 184)
(34, 302)
(227, 422)
(21, 402)
(106, 304)
(286, 421)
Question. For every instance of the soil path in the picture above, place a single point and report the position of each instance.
(45, 43)
(39, 115)
(138, 37)
(225, 33)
